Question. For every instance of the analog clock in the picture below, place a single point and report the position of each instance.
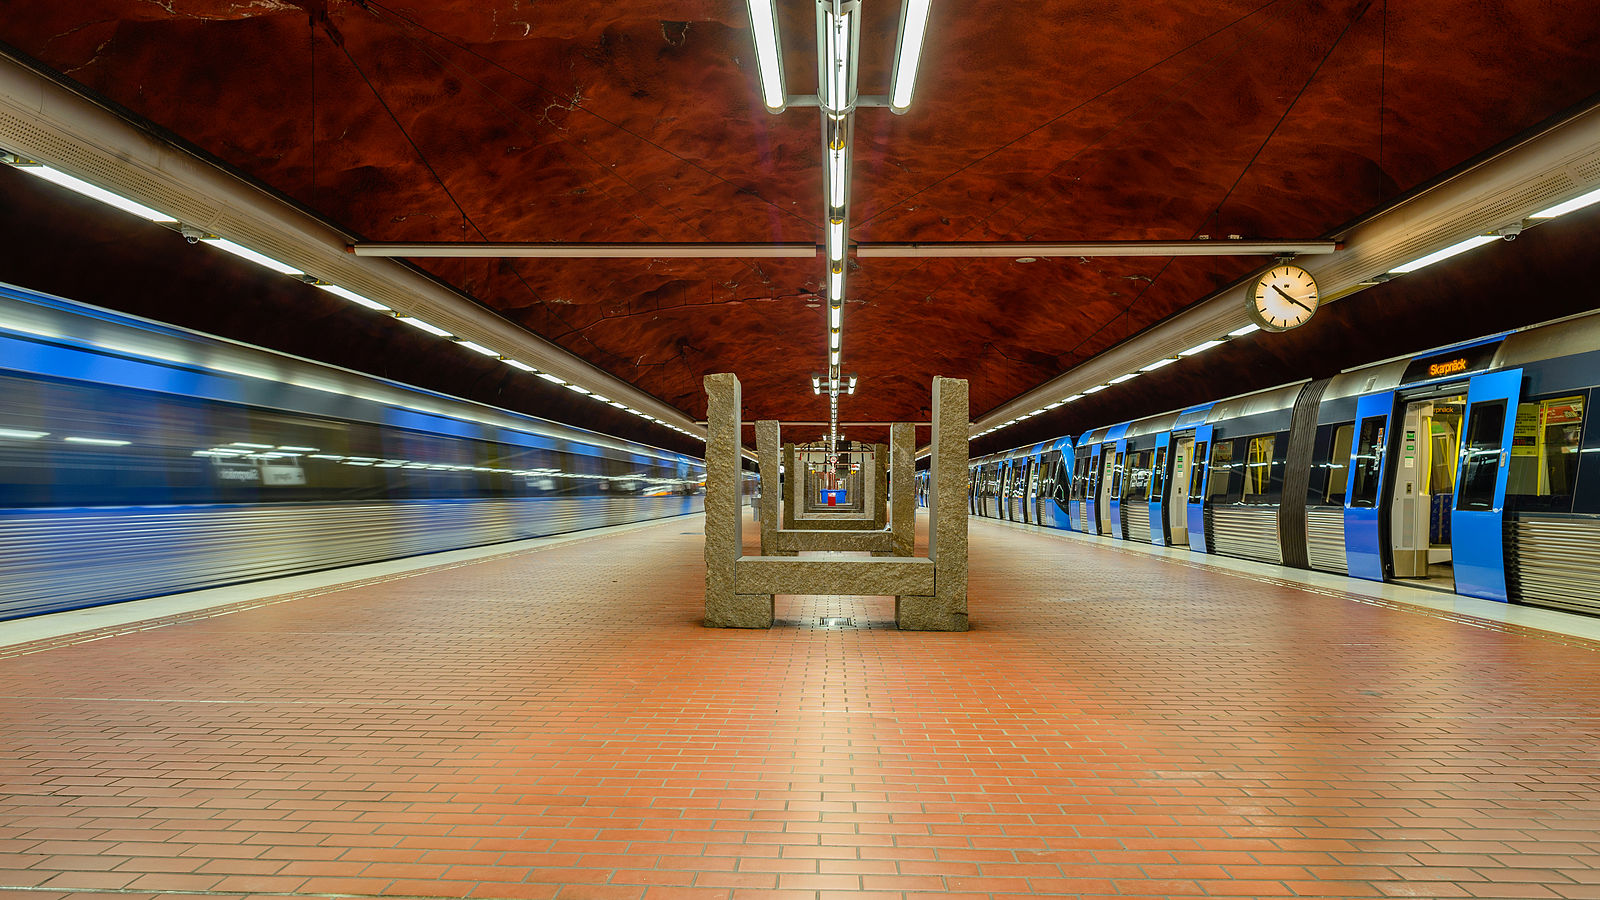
(1284, 298)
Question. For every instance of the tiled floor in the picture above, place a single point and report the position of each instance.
(558, 724)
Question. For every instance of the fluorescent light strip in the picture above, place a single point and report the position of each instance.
(1158, 364)
(764, 27)
(260, 259)
(1121, 378)
(834, 314)
(1252, 328)
(99, 442)
(836, 284)
(913, 28)
(415, 322)
(552, 378)
(519, 364)
(1573, 205)
(581, 390)
(836, 184)
(15, 434)
(1446, 253)
(833, 339)
(79, 186)
(478, 348)
(1201, 348)
(1096, 389)
(353, 297)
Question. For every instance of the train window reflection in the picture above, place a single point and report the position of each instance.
(1368, 462)
(1222, 471)
(1338, 465)
(1545, 447)
(1258, 468)
(1485, 431)
(1197, 473)
(1138, 480)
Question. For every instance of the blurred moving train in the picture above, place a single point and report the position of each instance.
(139, 459)
(1474, 468)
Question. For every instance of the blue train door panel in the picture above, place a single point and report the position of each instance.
(1093, 496)
(1197, 489)
(1476, 522)
(1159, 488)
(1364, 533)
(1118, 485)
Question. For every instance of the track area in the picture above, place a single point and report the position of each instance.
(557, 724)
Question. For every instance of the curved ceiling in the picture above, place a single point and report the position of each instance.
(626, 121)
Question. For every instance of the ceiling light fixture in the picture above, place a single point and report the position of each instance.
(1573, 205)
(769, 57)
(1201, 348)
(1159, 363)
(1121, 378)
(259, 259)
(1252, 328)
(518, 364)
(1441, 255)
(84, 188)
(352, 296)
(478, 348)
(907, 53)
(417, 323)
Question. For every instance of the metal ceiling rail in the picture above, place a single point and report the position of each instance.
(929, 250)
(1026, 249)
(587, 251)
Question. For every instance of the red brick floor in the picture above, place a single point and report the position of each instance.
(558, 724)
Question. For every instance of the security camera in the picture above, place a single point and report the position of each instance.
(192, 234)
(1509, 232)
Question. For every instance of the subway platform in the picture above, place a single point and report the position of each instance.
(551, 720)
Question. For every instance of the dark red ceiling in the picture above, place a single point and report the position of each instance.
(633, 121)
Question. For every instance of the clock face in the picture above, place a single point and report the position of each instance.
(1284, 298)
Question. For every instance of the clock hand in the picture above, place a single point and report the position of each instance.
(1291, 299)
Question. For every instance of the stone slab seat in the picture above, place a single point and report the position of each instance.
(791, 540)
(870, 576)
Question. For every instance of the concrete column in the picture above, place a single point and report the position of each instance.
(791, 478)
(767, 457)
(947, 517)
(880, 485)
(902, 487)
(724, 538)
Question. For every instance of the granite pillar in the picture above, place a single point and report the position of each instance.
(767, 456)
(880, 485)
(791, 478)
(946, 610)
(902, 487)
(724, 539)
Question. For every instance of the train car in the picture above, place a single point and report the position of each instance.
(1052, 484)
(138, 459)
(1473, 468)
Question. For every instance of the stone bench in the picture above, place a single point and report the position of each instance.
(872, 576)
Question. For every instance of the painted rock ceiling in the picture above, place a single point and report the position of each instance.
(512, 120)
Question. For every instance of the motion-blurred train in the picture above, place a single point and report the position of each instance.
(1473, 468)
(139, 459)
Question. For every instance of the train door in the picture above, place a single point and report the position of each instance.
(1477, 518)
(1078, 507)
(1110, 463)
(1195, 509)
(1420, 499)
(1158, 491)
(1363, 520)
(1091, 496)
(1178, 517)
(1119, 486)
(1030, 492)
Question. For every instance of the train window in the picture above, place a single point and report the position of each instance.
(1485, 430)
(1223, 485)
(1116, 475)
(1197, 473)
(1258, 468)
(1545, 450)
(1368, 462)
(1138, 480)
(1158, 474)
(1337, 467)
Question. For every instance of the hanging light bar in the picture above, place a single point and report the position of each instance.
(907, 53)
(838, 37)
(769, 57)
(838, 161)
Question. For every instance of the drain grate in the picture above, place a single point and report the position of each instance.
(835, 622)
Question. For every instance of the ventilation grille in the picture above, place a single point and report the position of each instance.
(26, 138)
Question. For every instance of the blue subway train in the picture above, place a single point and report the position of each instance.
(1473, 468)
(139, 459)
